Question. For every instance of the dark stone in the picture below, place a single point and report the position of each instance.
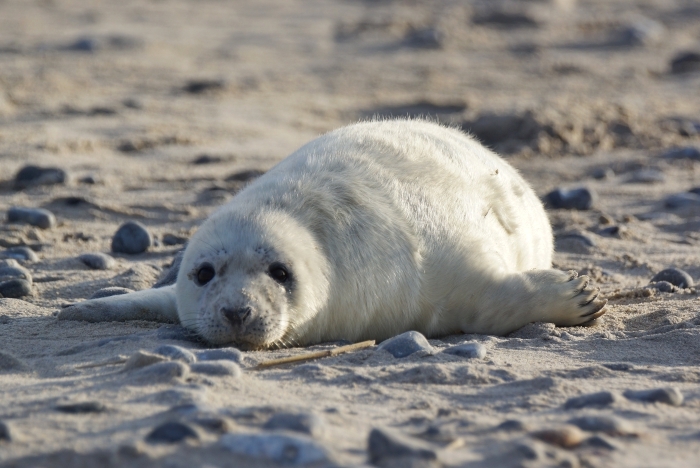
(665, 286)
(405, 344)
(89, 180)
(97, 261)
(203, 86)
(35, 175)
(682, 200)
(505, 19)
(685, 62)
(383, 445)
(245, 176)
(592, 399)
(675, 276)
(131, 238)
(206, 159)
(111, 291)
(20, 253)
(171, 433)
(685, 152)
(428, 38)
(172, 239)
(10, 272)
(81, 408)
(492, 129)
(15, 288)
(296, 422)
(38, 217)
(573, 199)
(176, 352)
(670, 396)
(5, 432)
(468, 350)
(603, 173)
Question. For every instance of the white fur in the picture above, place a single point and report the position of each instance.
(387, 227)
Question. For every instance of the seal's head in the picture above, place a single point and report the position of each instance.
(251, 280)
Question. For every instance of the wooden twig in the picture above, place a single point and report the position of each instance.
(315, 355)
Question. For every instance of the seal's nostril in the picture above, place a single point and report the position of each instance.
(236, 316)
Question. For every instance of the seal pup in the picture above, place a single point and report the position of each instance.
(368, 231)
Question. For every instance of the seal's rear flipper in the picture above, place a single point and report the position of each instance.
(156, 305)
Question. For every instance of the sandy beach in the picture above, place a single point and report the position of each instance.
(160, 111)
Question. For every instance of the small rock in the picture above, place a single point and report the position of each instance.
(38, 217)
(665, 286)
(646, 176)
(20, 253)
(574, 242)
(603, 173)
(505, 19)
(685, 62)
(600, 442)
(642, 33)
(131, 238)
(428, 38)
(685, 152)
(675, 276)
(305, 423)
(5, 432)
(10, 363)
(171, 433)
(468, 350)
(406, 344)
(591, 399)
(160, 372)
(15, 288)
(608, 424)
(573, 199)
(206, 159)
(176, 352)
(225, 354)
(682, 200)
(695, 190)
(565, 437)
(281, 448)
(670, 396)
(13, 272)
(245, 176)
(217, 368)
(111, 291)
(203, 86)
(97, 260)
(172, 239)
(88, 179)
(384, 444)
(82, 407)
(613, 231)
(142, 359)
(512, 425)
(34, 175)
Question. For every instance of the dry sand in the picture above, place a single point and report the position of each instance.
(131, 92)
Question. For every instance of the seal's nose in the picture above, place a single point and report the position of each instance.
(236, 316)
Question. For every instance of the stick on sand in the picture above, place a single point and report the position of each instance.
(315, 355)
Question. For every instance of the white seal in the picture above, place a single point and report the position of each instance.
(370, 230)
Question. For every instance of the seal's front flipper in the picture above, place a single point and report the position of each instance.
(156, 305)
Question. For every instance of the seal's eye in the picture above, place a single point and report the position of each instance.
(279, 272)
(205, 274)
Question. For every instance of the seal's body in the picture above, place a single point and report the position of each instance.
(368, 231)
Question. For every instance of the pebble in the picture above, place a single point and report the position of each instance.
(38, 217)
(217, 368)
(10, 269)
(512, 425)
(406, 344)
(82, 407)
(505, 19)
(646, 176)
(675, 276)
(97, 260)
(670, 396)
(468, 350)
(88, 179)
(142, 359)
(612, 231)
(176, 352)
(111, 291)
(15, 288)
(685, 62)
(684, 152)
(567, 436)
(642, 33)
(206, 159)
(603, 173)
(591, 399)
(161, 372)
(245, 176)
(221, 354)
(203, 86)
(132, 237)
(35, 175)
(171, 433)
(427, 38)
(288, 449)
(665, 286)
(5, 432)
(172, 239)
(384, 444)
(573, 199)
(10, 363)
(695, 190)
(20, 253)
(608, 424)
(306, 423)
(682, 200)
(574, 242)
